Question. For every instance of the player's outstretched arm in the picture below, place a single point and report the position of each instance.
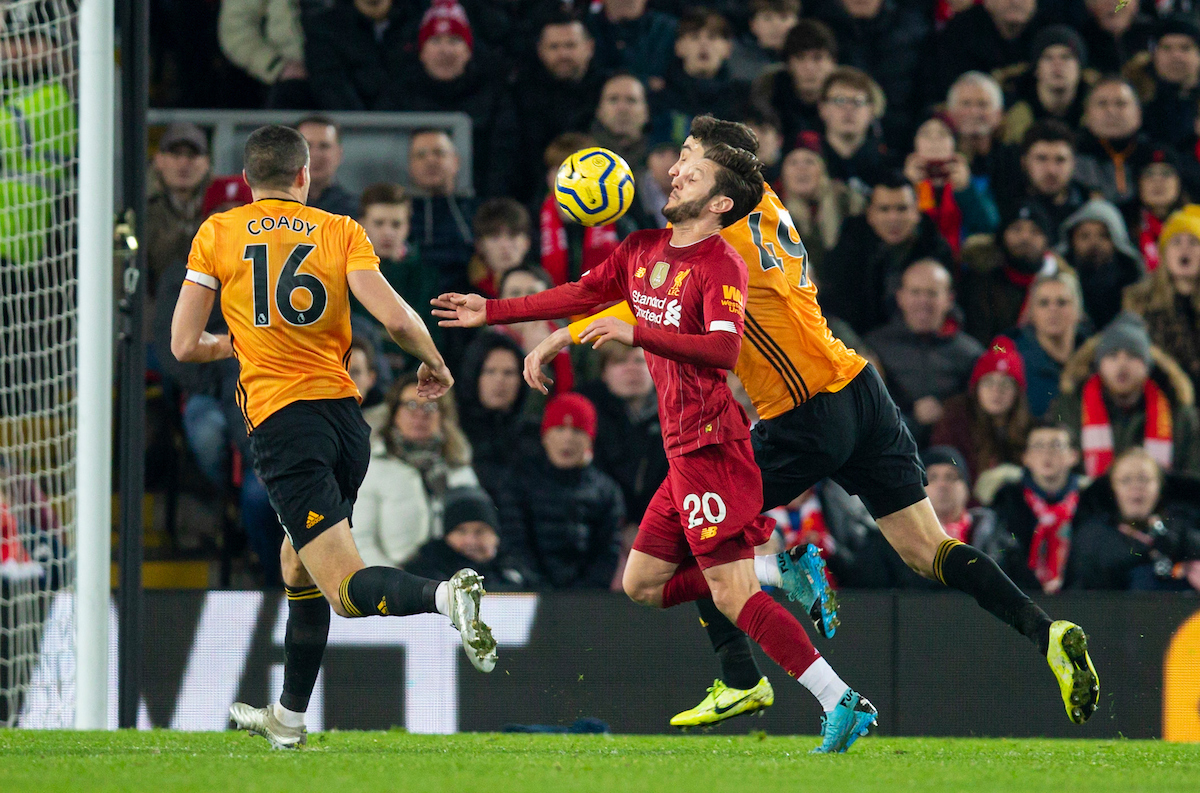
(460, 311)
(405, 327)
(190, 342)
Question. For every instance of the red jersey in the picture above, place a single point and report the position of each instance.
(696, 290)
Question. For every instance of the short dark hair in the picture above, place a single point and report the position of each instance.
(710, 131)
(1056, 426)
(1049, 130)
(323, 120)
(892, 180)
(528, 269)
(762, 117)
(363, 346)
(273, 157)
(856, 80)
(809, 35)
(1112, 79)
(697, 20)
(564, 146)
(560, 16)
(387, 193)
(778, 6)
(739, 176)
(500, 215)
(428, 131)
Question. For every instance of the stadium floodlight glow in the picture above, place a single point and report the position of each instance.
(97, 119)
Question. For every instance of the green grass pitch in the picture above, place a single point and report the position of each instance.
(358, 762)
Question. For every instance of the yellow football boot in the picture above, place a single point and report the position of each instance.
(724, 702)
(1069, 660)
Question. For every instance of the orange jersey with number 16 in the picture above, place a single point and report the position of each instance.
(281, 268)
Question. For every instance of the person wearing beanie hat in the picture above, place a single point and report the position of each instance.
(1169, 85)
(998, 274)
(1052, 85)
(444, 40)
(1117, 403)
(1169, 301)
(988, 424)
(949, 491)
(226, 192)
(562, 515)
(1096, 244)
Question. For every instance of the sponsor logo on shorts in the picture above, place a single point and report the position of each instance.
(708, 532)
(382, 607)
(313, 519)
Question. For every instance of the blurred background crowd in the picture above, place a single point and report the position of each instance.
(995, 198)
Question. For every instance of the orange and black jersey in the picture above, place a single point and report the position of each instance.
(281, 268)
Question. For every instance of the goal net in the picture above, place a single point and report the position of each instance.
(38, 366)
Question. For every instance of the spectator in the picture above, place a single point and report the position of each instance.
(568, 249)
(1048, 166)
(629, 38)
(1114, 34)
(621, 119)
(563, 514)
(1137, 396)
(1143, 534)
(818, 205)
(958, 205)
(1112, 148)
(949, 492)
(1160, 194)
(1037, 509)
(448, 78)
(324, 138)
(385, 212)
(501, 243)
(862, 273)
(793, 91)
(887, 40)
(851, 104)
(1096, 244)
(523, 282)
(492, 403)
(179, 176)
(1170, 300)
(1168, 79)
(986, 37)
(628, 441)
(988, 423)
(1050, 335)
(770, 23)
(264, 38)
(925, 359)
(392, 515)
(698, 80)
(654, 186)
(766, 127)
(558, 93)
(975, 104)
(1052, 85)
(364, 372)
(441, 223)
(472, 540)
(354, 54)
(997, 274)
(424, 434)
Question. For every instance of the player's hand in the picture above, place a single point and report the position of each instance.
(927, 410)
(550, 346)
(607, 329)
(460, 311)
(432, 382)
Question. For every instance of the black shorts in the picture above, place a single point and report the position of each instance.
(855, 436)
(312, 456)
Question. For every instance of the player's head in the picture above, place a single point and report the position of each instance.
(276, 159)
(725, 182)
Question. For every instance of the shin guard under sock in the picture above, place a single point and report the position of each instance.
(738, 669)
(686, 585)
(780, 635)
(974, 572)
(303, 645)
(387, 592)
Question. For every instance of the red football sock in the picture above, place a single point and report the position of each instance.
(686, 585)
(780, 635)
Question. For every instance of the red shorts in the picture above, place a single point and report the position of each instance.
(707, 507)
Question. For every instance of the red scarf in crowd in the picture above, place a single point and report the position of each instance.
(1148, 239)
(1096, 437)
(805, 524)
(1051, 538)
(945, 213)
(598, 243)
(960, 529)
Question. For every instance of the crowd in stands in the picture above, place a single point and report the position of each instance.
(995, 197)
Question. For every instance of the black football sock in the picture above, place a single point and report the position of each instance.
(388, 592)
(303, 645)
(974, 572)
(738, 669)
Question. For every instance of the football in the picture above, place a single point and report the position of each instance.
(594, 186)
